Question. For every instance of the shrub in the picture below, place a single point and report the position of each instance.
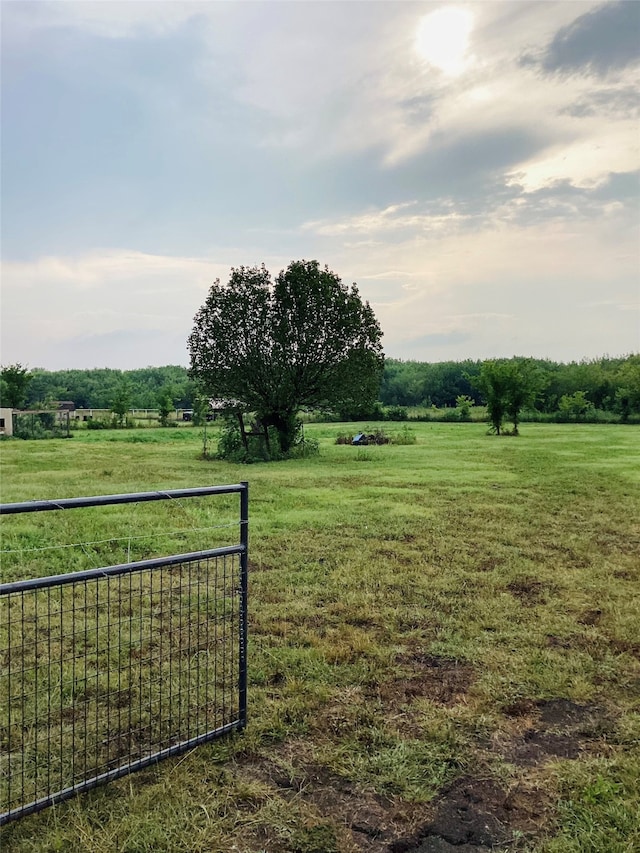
(575, 407)
(396, 413)
(377, 437)
(405, 436)
(29, 427)
(35, 425)
(450, 416)
(463, 407)
(374, 412)
(231, 448)
(304, 448)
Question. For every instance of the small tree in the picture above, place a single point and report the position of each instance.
(627, 397)
(14, 384)
(121, 400)
(274, 347)
(507, 386)
(526, 383)
(201, 409)
(493, 384)
(575, 406)
(463, 406)
(165, 406)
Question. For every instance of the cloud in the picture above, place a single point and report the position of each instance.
(106, 307)
(438, 340)
(604, 39)
(615, 102)
(54, 303)
(508, 202)
(111, 20)
(194, 137)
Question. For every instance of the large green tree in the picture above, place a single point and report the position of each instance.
(14, 384)
(303, 340)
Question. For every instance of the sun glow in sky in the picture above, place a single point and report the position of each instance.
(442, 39)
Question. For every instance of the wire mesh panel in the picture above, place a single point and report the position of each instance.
(106, 671)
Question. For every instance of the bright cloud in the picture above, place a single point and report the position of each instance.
(442, 38)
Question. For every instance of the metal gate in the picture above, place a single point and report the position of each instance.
(106, 671)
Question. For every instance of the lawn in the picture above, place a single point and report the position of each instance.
(444, 641)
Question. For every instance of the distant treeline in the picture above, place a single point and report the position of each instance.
(607, 384)
(98, 388)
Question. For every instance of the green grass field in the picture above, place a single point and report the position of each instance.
(444, 641)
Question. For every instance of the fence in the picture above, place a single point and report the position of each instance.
(106, 671)
(49, 423)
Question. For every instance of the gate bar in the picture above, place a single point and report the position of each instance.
(105, 500)
(120, 569)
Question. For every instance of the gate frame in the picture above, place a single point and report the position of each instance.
(242, 549)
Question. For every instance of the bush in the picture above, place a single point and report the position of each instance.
(463, 407)
(375, 412)
(304, 448)
(27, 426)
(450, 416)
(343, 438)
(231, 447)
(377, 437)
(575, 407)
(396, 413)
(95, 424)
(35, 425)
(405, 436)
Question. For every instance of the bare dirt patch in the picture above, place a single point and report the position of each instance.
(590, 617)
(442, 680)
(520, 708)
(489, 564)
(553, 728)
(535, 747)
(476, 815)
(366, 821)
(566, 715)
(529, 591)
(471, 815)
(629, 647)
(558, 642)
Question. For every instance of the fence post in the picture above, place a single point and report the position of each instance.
(244, 589)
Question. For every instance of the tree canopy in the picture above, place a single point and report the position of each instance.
(508, 386)
(14, 384)
(303, 340)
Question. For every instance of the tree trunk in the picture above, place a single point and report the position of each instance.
(286, 427)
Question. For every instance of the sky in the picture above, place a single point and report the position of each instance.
(473, 167)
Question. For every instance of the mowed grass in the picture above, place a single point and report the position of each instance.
(448, 625)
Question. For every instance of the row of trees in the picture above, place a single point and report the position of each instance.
(146, 388)
(608, 384)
